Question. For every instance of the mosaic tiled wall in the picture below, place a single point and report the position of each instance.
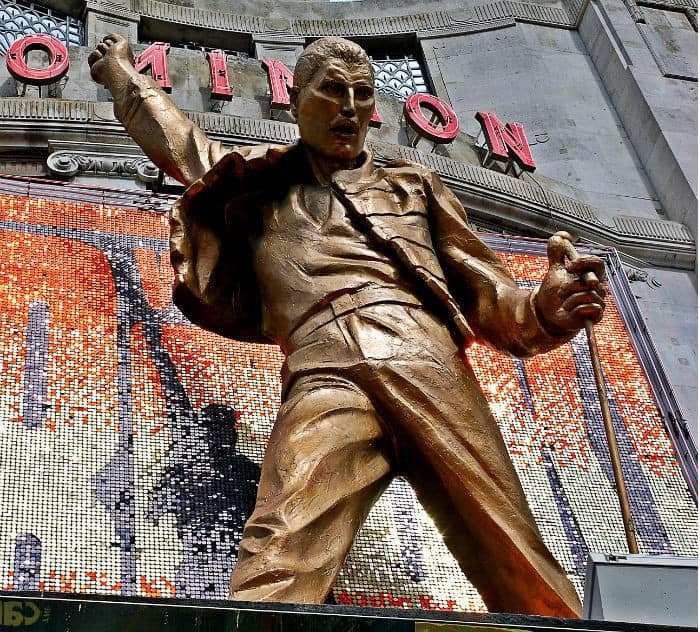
(130, 440)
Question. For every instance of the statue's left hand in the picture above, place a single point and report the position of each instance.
(572, 290)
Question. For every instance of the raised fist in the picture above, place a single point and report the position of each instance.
(111, 61)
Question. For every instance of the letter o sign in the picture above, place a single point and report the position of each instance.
(443, 130)
(22, 71)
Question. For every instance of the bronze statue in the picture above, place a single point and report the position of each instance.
(372, 283)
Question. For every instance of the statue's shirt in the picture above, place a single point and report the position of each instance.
(259, 247)
(309, 252)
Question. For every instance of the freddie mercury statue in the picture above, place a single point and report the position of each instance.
(372, 284)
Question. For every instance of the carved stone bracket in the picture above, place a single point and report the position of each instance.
(98, 159)
(635, 275)
(106, 16)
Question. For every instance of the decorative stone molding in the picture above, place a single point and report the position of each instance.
(653, 229)
(121, 9)
(45, 110)
(204, 18)
(524, 12)
(488, 194)
(575, 9)
(688, 7)
(234, 129)
(71, 159)
(434, 23)
(391, 25)
(670, 5)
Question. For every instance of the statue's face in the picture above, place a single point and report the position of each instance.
(333, 110)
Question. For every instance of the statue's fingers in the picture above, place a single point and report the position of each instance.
(580, 300)
(586, 266)
(111, 39)
(94, 57)
(556, 250)
(575, 285)
(102, 47)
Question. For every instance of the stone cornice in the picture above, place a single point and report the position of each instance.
(111, 8)
(434, 23)
(517, 203)
(671, 5)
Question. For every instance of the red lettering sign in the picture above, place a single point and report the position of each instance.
(443, 126)
(282, 79)
(22, 71)
(220, 88)
(376, 120)
(506, 142)
(155, 58)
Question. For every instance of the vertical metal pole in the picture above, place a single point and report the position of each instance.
(613, 447)
(612, 441)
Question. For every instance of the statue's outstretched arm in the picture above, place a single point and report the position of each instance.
(159, 127)
(515, 320)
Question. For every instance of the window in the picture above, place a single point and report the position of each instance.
(399, 78)
(19, 18)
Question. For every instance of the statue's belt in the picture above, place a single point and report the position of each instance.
(346, 303)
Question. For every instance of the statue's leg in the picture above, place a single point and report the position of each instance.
(463, 476)
(452, 452)
(326, 463)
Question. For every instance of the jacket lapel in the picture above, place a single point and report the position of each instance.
(392, 208)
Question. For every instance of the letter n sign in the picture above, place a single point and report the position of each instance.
(506, 142)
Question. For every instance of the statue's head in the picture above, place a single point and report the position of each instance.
(333, 98)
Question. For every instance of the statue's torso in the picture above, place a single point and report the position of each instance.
(307, 252)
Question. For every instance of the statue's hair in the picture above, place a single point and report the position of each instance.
(325, 48)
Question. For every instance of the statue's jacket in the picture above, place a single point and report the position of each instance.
(404, 207)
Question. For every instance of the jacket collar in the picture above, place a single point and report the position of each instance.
(362, 173)
(355, 180)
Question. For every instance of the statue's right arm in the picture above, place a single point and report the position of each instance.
(158, 126)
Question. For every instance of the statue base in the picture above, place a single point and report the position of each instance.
(59, 612)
